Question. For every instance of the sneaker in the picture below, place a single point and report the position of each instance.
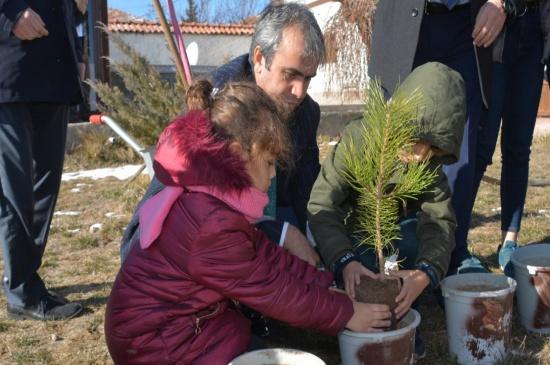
(471, 265)
(48, 308)
(504, 256)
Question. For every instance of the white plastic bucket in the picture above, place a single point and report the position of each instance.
(391, 347)
(529, 261)
(478, 310)
(277, 357)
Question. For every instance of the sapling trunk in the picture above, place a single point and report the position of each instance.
(379, 243)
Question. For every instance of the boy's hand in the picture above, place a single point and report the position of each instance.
(414, 282)
(352, 276)
(369, 317)
(298, 245)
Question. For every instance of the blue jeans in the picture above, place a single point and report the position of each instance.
(446, 38)
(407, 246)
(515, 94)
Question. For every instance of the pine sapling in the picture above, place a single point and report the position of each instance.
(376, 171)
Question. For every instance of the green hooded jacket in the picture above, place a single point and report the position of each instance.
(441, 123)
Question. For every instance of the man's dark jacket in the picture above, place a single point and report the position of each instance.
(395, 38)
(293, 186)
(545, 23)
(27, 68)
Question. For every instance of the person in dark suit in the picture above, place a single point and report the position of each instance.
(460, 34)
(545, 24)
(38, 81)
(286, 49)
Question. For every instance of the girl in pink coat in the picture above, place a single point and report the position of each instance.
(176, 297)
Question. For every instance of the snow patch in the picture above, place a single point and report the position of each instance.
(66, 213)
(121, 173)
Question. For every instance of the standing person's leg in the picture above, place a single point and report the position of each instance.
(49, 131)
(22, 256)
(520, 113)
(489, 125)
(446, 38)
(39, 165)
(490, 122)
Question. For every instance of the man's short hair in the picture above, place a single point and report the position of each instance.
(271, 23)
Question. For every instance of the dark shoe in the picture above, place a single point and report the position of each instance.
(57, 297)
(49, 308)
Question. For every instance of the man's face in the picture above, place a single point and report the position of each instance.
(290, 73)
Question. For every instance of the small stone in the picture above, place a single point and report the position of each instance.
(54, 337)
(96, 227)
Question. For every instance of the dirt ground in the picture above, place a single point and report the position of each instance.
(81, 263)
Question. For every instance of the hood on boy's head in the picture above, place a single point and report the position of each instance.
(188, 154)
(442, 117)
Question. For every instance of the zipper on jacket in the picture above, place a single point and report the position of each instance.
(219, 308)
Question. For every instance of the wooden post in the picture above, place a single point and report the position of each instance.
(100, 41)
(171, 44)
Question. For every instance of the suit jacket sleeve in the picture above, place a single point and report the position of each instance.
(236, 260)
(545, 25)
(10, 11)
(307, 166)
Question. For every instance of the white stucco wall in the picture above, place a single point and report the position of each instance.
(214, 50)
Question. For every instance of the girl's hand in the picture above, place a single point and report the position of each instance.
(352, 276)
(414, 282)
(369, 317)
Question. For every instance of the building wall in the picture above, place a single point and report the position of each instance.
(214, 50)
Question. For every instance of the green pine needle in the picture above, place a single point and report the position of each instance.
(373, 167)
(150, 101)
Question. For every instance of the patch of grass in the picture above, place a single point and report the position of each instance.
(50, 262)
(82, 267)
(35, 358)
(97, 149)
(26, 341)
(85, 241)
(4, 327)
(94, 266)
(95, 325)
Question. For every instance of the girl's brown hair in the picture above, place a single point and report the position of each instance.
(243, 112)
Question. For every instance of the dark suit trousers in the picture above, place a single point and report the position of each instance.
(32, 144)
(446, 38)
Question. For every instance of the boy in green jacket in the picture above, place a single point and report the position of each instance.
(427, 224)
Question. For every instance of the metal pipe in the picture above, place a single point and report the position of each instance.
(122, 133)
